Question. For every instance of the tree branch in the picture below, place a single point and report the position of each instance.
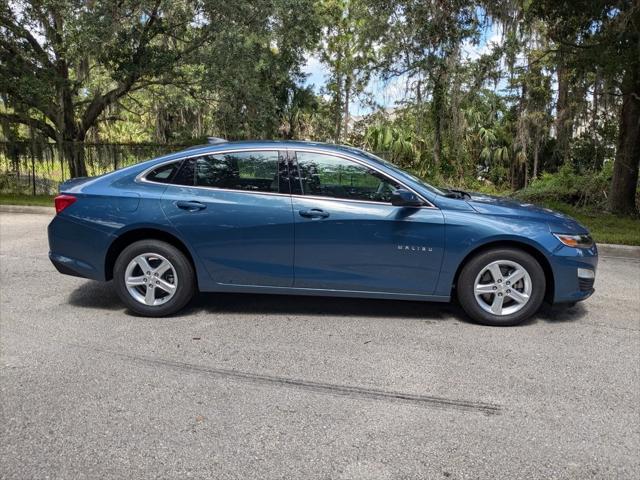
(100, 101)
(22, 32)
(41, 125)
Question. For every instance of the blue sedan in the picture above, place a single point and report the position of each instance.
(313, 219)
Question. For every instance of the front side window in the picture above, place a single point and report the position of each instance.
(248, 171)
(330, 176)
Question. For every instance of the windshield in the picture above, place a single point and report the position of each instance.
(404, 173)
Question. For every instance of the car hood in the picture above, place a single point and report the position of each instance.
(510, 207)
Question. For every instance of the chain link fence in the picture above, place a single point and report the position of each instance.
(36, 168)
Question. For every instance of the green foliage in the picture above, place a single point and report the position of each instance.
(566, 186)
(37, 200)
(396, 143)
(539, 108)
(604, 227)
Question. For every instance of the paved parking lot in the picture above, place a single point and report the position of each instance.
(302, 388)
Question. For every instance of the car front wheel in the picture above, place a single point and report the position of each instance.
(153, 278)
(501, 287)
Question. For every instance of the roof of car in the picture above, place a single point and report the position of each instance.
(257, 144)
(221, 145)
(270, 143)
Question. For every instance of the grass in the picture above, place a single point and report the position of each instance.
(38, 200)
(604, 227)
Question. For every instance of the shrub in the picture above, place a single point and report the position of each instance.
(585, 190)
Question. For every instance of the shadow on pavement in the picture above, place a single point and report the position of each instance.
(329, 306)
(95, 295)
(102, 296)
(562, 313)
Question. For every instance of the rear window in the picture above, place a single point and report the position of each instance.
(164, 173)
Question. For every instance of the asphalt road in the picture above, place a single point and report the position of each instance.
(261, 387)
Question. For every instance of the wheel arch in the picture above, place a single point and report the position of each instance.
(143, 233)
(535, 252)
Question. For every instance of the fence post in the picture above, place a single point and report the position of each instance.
(33, 170)
(61, 158)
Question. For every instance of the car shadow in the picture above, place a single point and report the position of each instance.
(321, 306)
(100, 295)
(561, 313)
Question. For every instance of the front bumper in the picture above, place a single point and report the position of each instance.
(574, 271)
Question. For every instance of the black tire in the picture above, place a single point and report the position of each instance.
(467, 280)
(182, 269)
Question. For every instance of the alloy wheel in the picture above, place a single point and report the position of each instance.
(151, 279)
(503, 287)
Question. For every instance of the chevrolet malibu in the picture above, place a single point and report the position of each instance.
(313, 219)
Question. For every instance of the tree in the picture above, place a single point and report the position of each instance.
(625, 169)
(64, 62)
(604, 35)
(347, 50)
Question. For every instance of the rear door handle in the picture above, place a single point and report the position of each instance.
(191, 206)
(313, 213)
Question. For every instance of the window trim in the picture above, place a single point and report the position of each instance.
(171, 177)
(142, 176)
(222, 153)
(294, 158)
(290, 151)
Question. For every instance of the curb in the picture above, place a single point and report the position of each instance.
(604, 249)
(612, 250)
(27, 209)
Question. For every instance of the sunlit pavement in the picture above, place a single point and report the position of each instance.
(263, 387)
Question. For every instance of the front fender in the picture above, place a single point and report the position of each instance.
(466, 233)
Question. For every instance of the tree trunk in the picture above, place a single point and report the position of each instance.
(622, 196)
(338, 114)
(437, 111)
(597, 161)
(338, 99)
(536, 155)
(68, 130)
(73, 152)
(564, 120)
(347, 90)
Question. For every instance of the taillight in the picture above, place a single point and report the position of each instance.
(63, 201)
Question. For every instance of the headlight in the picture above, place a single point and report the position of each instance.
(575, 241)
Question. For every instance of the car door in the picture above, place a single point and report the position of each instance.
(348, 235)
(234, 209)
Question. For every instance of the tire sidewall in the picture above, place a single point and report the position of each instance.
(183, 269)
(466, 285)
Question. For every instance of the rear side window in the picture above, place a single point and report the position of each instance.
(186, 174)
(164, 173)
(248, 171)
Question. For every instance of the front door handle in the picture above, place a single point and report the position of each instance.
(191, 206)
(313, 213)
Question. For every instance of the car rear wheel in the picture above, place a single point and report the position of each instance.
(501, 287)
(153, 278)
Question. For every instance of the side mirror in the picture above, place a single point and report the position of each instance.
(405, 198)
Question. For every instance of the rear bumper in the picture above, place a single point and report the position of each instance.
(73, 267)
(77, 249)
